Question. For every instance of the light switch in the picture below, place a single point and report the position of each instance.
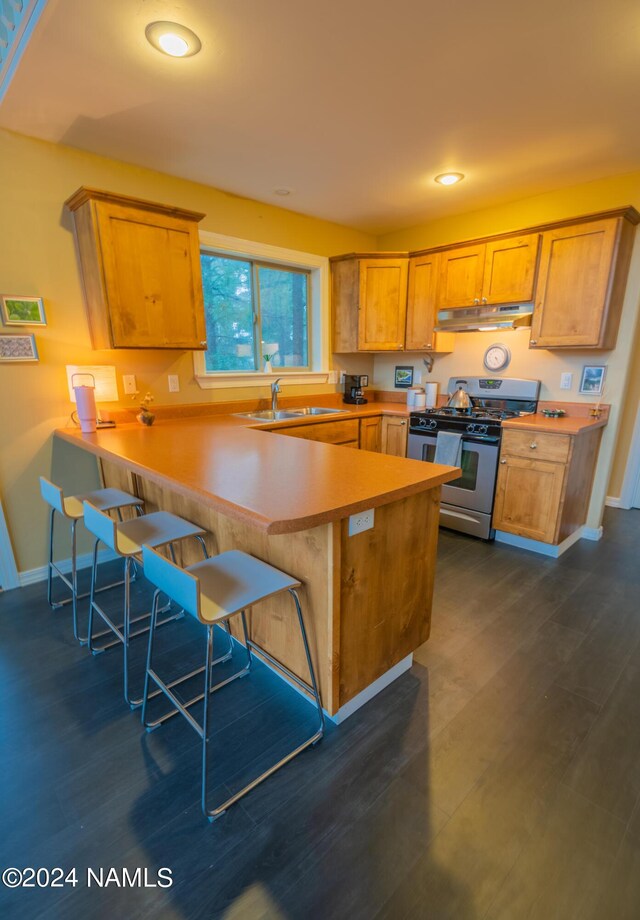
(566, 381)
(129, 384)
(174, 383)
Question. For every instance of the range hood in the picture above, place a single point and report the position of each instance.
(484, 318)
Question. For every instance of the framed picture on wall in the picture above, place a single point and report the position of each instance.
(22, 311)
(592, 381)
(404, 377)
(18, 348)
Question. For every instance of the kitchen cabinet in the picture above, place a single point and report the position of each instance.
(421, 306)
(394, 436)
(370, 433)
(140, 264)
(346, 433)
(369, 296)
(375, 308)
(499, 271)
(583, 273)
(544, 483)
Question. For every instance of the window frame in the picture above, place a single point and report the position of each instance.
(317, 312)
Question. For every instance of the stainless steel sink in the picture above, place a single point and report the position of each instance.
(316, 410)
(268, 415)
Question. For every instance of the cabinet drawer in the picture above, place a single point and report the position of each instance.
(536, 445)
(329, 432)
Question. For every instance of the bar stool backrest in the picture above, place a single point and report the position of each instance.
(101, 525)
(52, 494)
(181, 586)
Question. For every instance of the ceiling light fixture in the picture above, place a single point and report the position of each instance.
(449, 178)
(173, 39)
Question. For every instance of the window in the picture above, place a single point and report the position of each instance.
(255, 310)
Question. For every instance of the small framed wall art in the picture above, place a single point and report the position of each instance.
(22, 311)
(18, 348)
(404, 377)
(592, 381)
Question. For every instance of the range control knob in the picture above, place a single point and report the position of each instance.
(432, 423)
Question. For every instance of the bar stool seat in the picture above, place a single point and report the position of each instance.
(71, 507)
(158, 529)
(213, 591)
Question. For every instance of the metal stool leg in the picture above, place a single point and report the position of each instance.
(50, 567)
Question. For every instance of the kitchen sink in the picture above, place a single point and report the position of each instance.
(268, 415)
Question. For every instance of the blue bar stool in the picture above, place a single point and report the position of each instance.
(126, 538)
(213, 592)
(71, 508)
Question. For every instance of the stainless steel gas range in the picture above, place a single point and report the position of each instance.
(467, 502)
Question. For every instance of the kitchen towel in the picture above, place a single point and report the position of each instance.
(448, 448)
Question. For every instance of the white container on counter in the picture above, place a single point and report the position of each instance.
(431, 393)
(415, 394)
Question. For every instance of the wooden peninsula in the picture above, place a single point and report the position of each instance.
(287, 500)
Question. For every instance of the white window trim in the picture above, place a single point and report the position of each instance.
(318, 266)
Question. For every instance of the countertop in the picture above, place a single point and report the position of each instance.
(567, 424)
(276, 483)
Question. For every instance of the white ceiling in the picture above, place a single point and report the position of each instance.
(355, 105)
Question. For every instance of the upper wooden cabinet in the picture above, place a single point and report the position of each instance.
(375, 310)
(369, 296)
(583, 273)
(498, 271)
(140, 265)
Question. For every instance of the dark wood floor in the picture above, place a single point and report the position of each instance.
(500, 778)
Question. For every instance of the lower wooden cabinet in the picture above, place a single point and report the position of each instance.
(544, 483)
(370, 433)
(346, 432)
(394, 436)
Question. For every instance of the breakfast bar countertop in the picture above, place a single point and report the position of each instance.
(276, 483)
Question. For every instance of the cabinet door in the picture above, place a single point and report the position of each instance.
(151, 265)
(461, 272)
(510, 269)
(573, 286)
(421, 301)
(382, 304)
(528, 495)
(370, 432)
(346, 432)
(394, 436)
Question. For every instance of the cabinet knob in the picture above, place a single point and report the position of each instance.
(533, 445)
(476, 300)
(204, 344)
(503, 461)
(403, 422)
(533, 342)
(428, 345)
(484, 300)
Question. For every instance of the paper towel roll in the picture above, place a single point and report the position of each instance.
(86, 408)
(431, 390)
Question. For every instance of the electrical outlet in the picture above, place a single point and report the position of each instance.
(360, 522)
(174, 383)
(129, 384)
(566, 381)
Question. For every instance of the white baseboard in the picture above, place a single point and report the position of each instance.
(372, 690)
(31, 576)
(612, 502)
(554, 550)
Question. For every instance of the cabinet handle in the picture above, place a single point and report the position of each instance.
(533, 445)
(484, 300)
(204, 344)
(533, 342)
(503, 461)
(476, 300)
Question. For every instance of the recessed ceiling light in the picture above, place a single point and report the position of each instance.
(173, 39)
(449, 178)
(283, 190)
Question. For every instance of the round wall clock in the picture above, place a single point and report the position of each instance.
(497, 357)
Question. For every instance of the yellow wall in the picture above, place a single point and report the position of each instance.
(623, 373)
(37, 257)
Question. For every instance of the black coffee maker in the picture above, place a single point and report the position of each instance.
(353, 384)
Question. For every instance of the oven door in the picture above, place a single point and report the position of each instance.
(479, 463)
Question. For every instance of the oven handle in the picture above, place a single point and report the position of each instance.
(471, 438)
(457, 514)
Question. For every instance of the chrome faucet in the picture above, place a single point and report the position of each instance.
(275, 389)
